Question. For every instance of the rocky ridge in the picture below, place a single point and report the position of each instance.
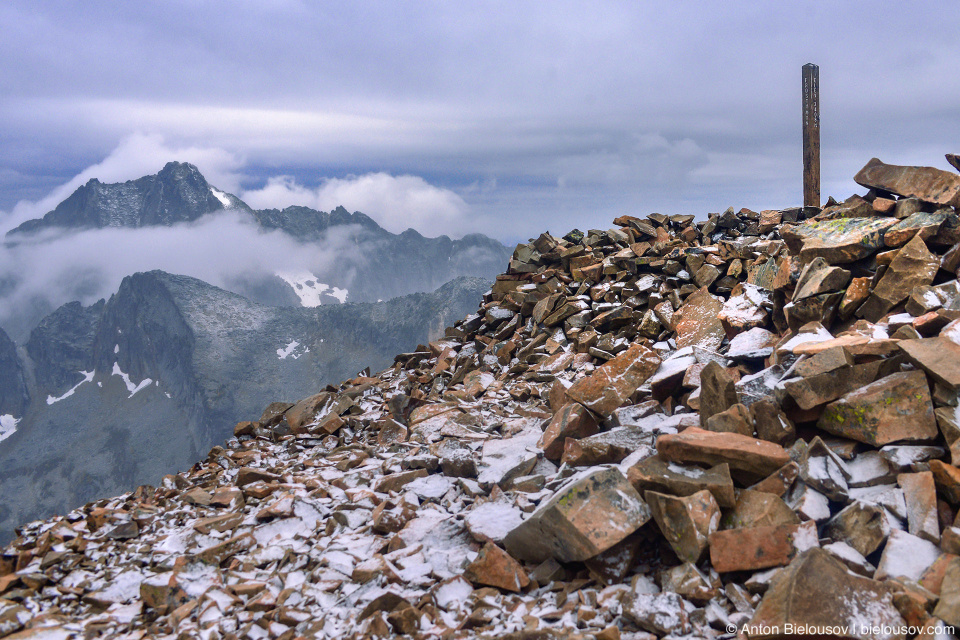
(668, 428)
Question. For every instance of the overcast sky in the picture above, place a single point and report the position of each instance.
(508, 118)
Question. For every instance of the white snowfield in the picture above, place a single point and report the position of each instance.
(132, 388)
(8, 426)
(293, 350)
(221, 196)
(309, 289)
(87, 377)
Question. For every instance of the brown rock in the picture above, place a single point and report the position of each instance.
(306, 410)
(610, 385)
(922, 224)
(697, 322)
(760, 547)
(817, 592)
(249, 475)
(914, 266)
(926, 183)
(740, 452)
(495, 568)
(573, 420)
(824, 362)
(396, 481)
(939, 357)
(897, 407)
(758, 509)
(920, 494)
(736, 419)
(780, 481)
(682, 480)
(818, 277)
(717, 391)
(836, 241)
(862, 526)
(854, 296)
(771, 423)
(948, 608)
(609, 447)
(685, 522)
(689, 582)
(947, 480)
(565, 527)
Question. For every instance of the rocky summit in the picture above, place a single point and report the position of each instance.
(736, 427)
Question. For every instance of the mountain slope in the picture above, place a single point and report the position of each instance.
(141, 385)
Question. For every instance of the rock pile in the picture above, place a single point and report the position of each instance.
(746, 425)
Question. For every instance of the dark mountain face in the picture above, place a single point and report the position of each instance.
(144, 384)
(178, 193)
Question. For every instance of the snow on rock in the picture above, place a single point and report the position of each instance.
(87, 377)
(310, 290)
(132, 388)
(293, 350)
(221, 196)
(8, 426)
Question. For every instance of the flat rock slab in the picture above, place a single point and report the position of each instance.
(914, 266)
(697, 322)
(682, 480)
(610, 385)
(760, 547)
(837, 241)
(897, 407)
(817, 592)
(592, 512)
(738, 451)
(926, 183)
(939, 357)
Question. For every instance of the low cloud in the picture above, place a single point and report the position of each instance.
(47, 270)
(397, 203)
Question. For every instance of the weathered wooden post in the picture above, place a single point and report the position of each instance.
(811, 135)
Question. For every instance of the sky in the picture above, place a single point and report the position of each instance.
(506, 118)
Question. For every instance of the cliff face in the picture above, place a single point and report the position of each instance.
(141, 385)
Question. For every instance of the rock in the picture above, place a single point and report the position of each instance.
(894, 408)
(739, 452)
(862, 526)
(817, 592)
(758, 509)
(754, 344)
(824, 362)
(906, 556)
(760, 547)
(610, 385)
(939, 357)
(686, 522)
(948, 608)
(771, 423)
(675, 479)
(736, 419)
(922, 224)
(697, 322)
(608, 447)
(926, 183)
(717, 391)
(837, 241)
(914, 266)
(573, 420)
(565, 526)
(818, 277)
(495, 568)
(920, 494)
(823, 470)
(687, 581)
(663, 614)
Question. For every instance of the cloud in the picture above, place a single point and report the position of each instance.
(397, 203)
(49, 269)
(135, 156)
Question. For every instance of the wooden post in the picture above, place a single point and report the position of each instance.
(811, 135)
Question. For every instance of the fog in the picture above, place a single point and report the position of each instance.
(43, 271)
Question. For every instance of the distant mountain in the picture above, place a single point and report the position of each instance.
(106, 397)
(378, 265)
(178, 193)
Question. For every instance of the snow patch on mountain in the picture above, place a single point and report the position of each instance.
(292, 350)
(87, 377)
(221, 196)
(309, 289)
(8, 426)
(132, 388)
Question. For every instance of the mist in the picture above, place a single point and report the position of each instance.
(228, 249)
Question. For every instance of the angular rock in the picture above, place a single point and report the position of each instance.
(920, 494)
(610, 385)
(906, 556)
(926, 183)
(495, 568)
(565, 527)
(739, 452)
(697, 322)
(573, 420)
(760, 547)
(922, 224)
(837, 241)
(717, 391)
(914, 266)
(862, 526)
(817, 592)
(939, 357)
(686, 522)
(818, 278)
(758, 509)
(675, 479)
(897, 407)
